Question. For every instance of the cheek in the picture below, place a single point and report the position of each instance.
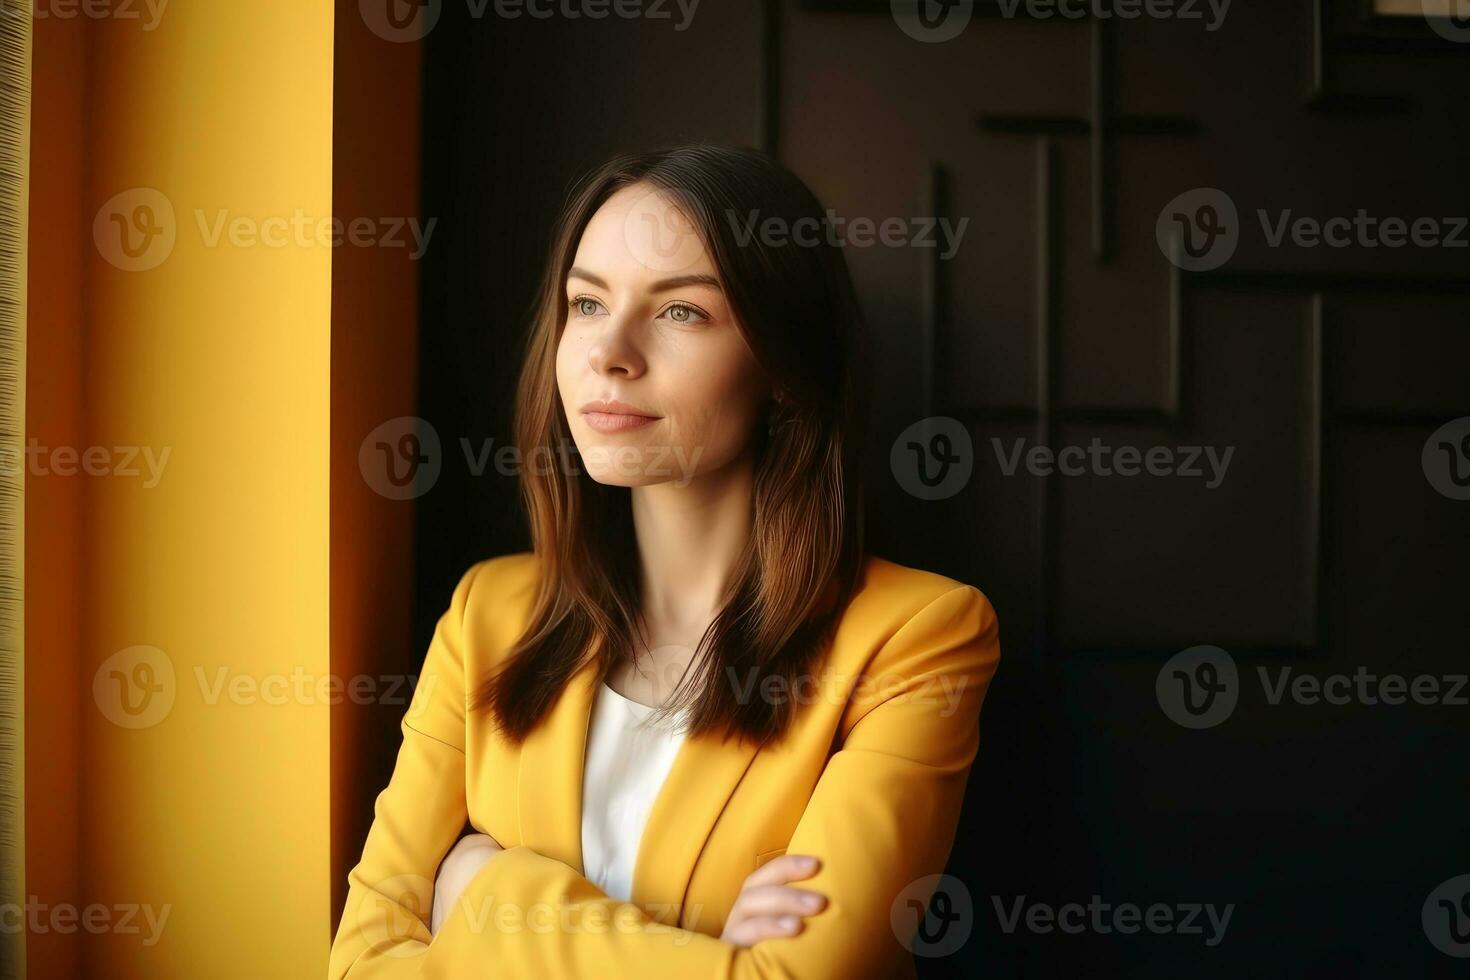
(719, 394)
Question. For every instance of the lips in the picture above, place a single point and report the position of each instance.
(616, 409)
(615, 416)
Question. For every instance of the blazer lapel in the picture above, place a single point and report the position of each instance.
(704, 774)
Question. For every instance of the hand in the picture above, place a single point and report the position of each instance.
(768, 908)
(459, 867)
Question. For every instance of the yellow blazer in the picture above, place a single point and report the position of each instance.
(870, 780)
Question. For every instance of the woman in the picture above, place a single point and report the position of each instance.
(628, 746)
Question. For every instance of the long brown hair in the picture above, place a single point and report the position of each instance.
(799, 314)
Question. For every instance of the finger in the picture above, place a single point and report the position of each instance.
(787, 867)
(752, 931)
(775, 900)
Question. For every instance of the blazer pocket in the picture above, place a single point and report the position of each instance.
(765, 856)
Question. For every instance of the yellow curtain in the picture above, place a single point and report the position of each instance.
(165, 334)
(185, 575)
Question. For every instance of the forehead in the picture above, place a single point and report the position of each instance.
(639, 235)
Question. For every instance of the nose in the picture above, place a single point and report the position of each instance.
(615, 352)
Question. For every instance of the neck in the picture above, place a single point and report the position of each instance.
(689, 541)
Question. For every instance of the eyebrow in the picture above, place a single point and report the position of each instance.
(663, 285)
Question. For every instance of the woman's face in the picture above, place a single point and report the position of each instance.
(655, 376)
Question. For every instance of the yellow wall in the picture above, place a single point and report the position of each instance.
(219, 355)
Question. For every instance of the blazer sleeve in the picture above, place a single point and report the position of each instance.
(882, 819)
(417, 818)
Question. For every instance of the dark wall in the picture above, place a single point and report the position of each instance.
(1325, 549)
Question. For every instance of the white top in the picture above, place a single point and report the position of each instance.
(628, 759)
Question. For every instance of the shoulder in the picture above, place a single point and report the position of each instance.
(897, 608)
(888, 590)
(514, 573)
(493, 600)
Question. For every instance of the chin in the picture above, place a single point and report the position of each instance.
(613, 477)
(631, 465)
(617, 464)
